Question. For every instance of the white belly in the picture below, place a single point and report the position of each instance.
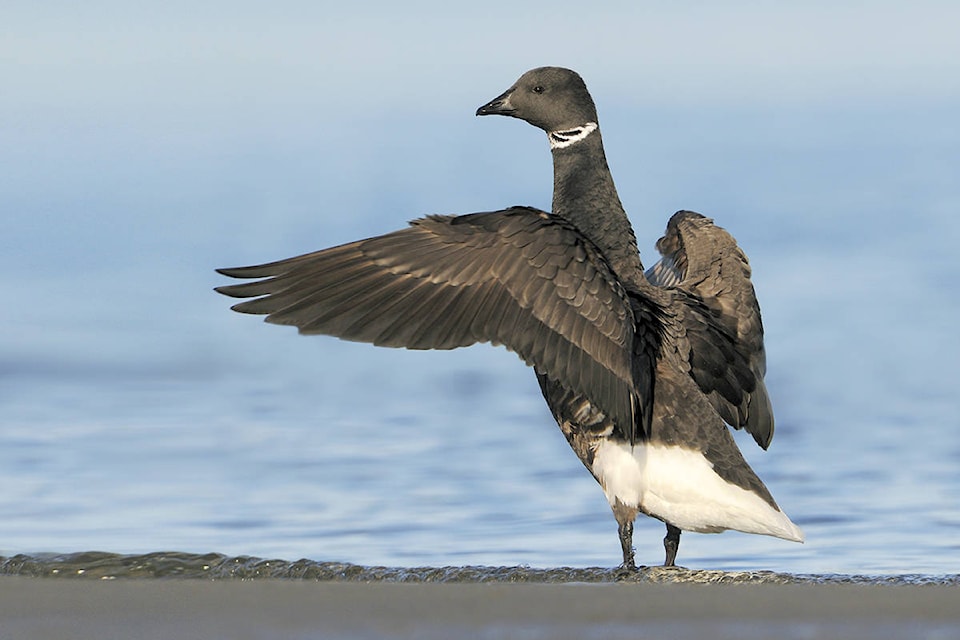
(680, 486)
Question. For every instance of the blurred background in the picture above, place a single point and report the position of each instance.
(142, 145)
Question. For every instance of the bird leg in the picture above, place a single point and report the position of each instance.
(670, 544)
(625, 516)
(625, 529)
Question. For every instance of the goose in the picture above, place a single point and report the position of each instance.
(644, 371)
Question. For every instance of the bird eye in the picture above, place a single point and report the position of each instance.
(538, 89)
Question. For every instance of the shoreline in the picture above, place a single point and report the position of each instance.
(94, 565)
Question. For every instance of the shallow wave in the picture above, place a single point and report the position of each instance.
(98, 565)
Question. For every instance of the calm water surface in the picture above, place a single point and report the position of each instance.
(137, 414)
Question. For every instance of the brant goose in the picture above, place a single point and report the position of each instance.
(642, 371)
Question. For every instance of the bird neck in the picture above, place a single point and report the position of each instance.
(584, 194)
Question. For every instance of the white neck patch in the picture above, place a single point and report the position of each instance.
(567, 137)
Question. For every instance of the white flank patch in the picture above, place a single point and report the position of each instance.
(562, 139)
(680, 486)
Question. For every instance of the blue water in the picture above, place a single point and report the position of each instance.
(138, 414)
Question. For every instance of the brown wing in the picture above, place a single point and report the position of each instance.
(518, 277)
(721, 317)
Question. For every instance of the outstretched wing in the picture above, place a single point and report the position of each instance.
(517, 277)
(722, 319)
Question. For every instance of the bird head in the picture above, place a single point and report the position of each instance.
(550, 98)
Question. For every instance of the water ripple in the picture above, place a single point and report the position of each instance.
(98, 565)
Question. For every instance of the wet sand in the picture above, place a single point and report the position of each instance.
(176, 608)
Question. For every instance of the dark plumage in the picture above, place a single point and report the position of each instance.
(641, 371)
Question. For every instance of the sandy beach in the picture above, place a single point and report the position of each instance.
(55, 609)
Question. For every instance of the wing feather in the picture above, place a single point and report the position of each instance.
(517, 277)
(723, 339)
